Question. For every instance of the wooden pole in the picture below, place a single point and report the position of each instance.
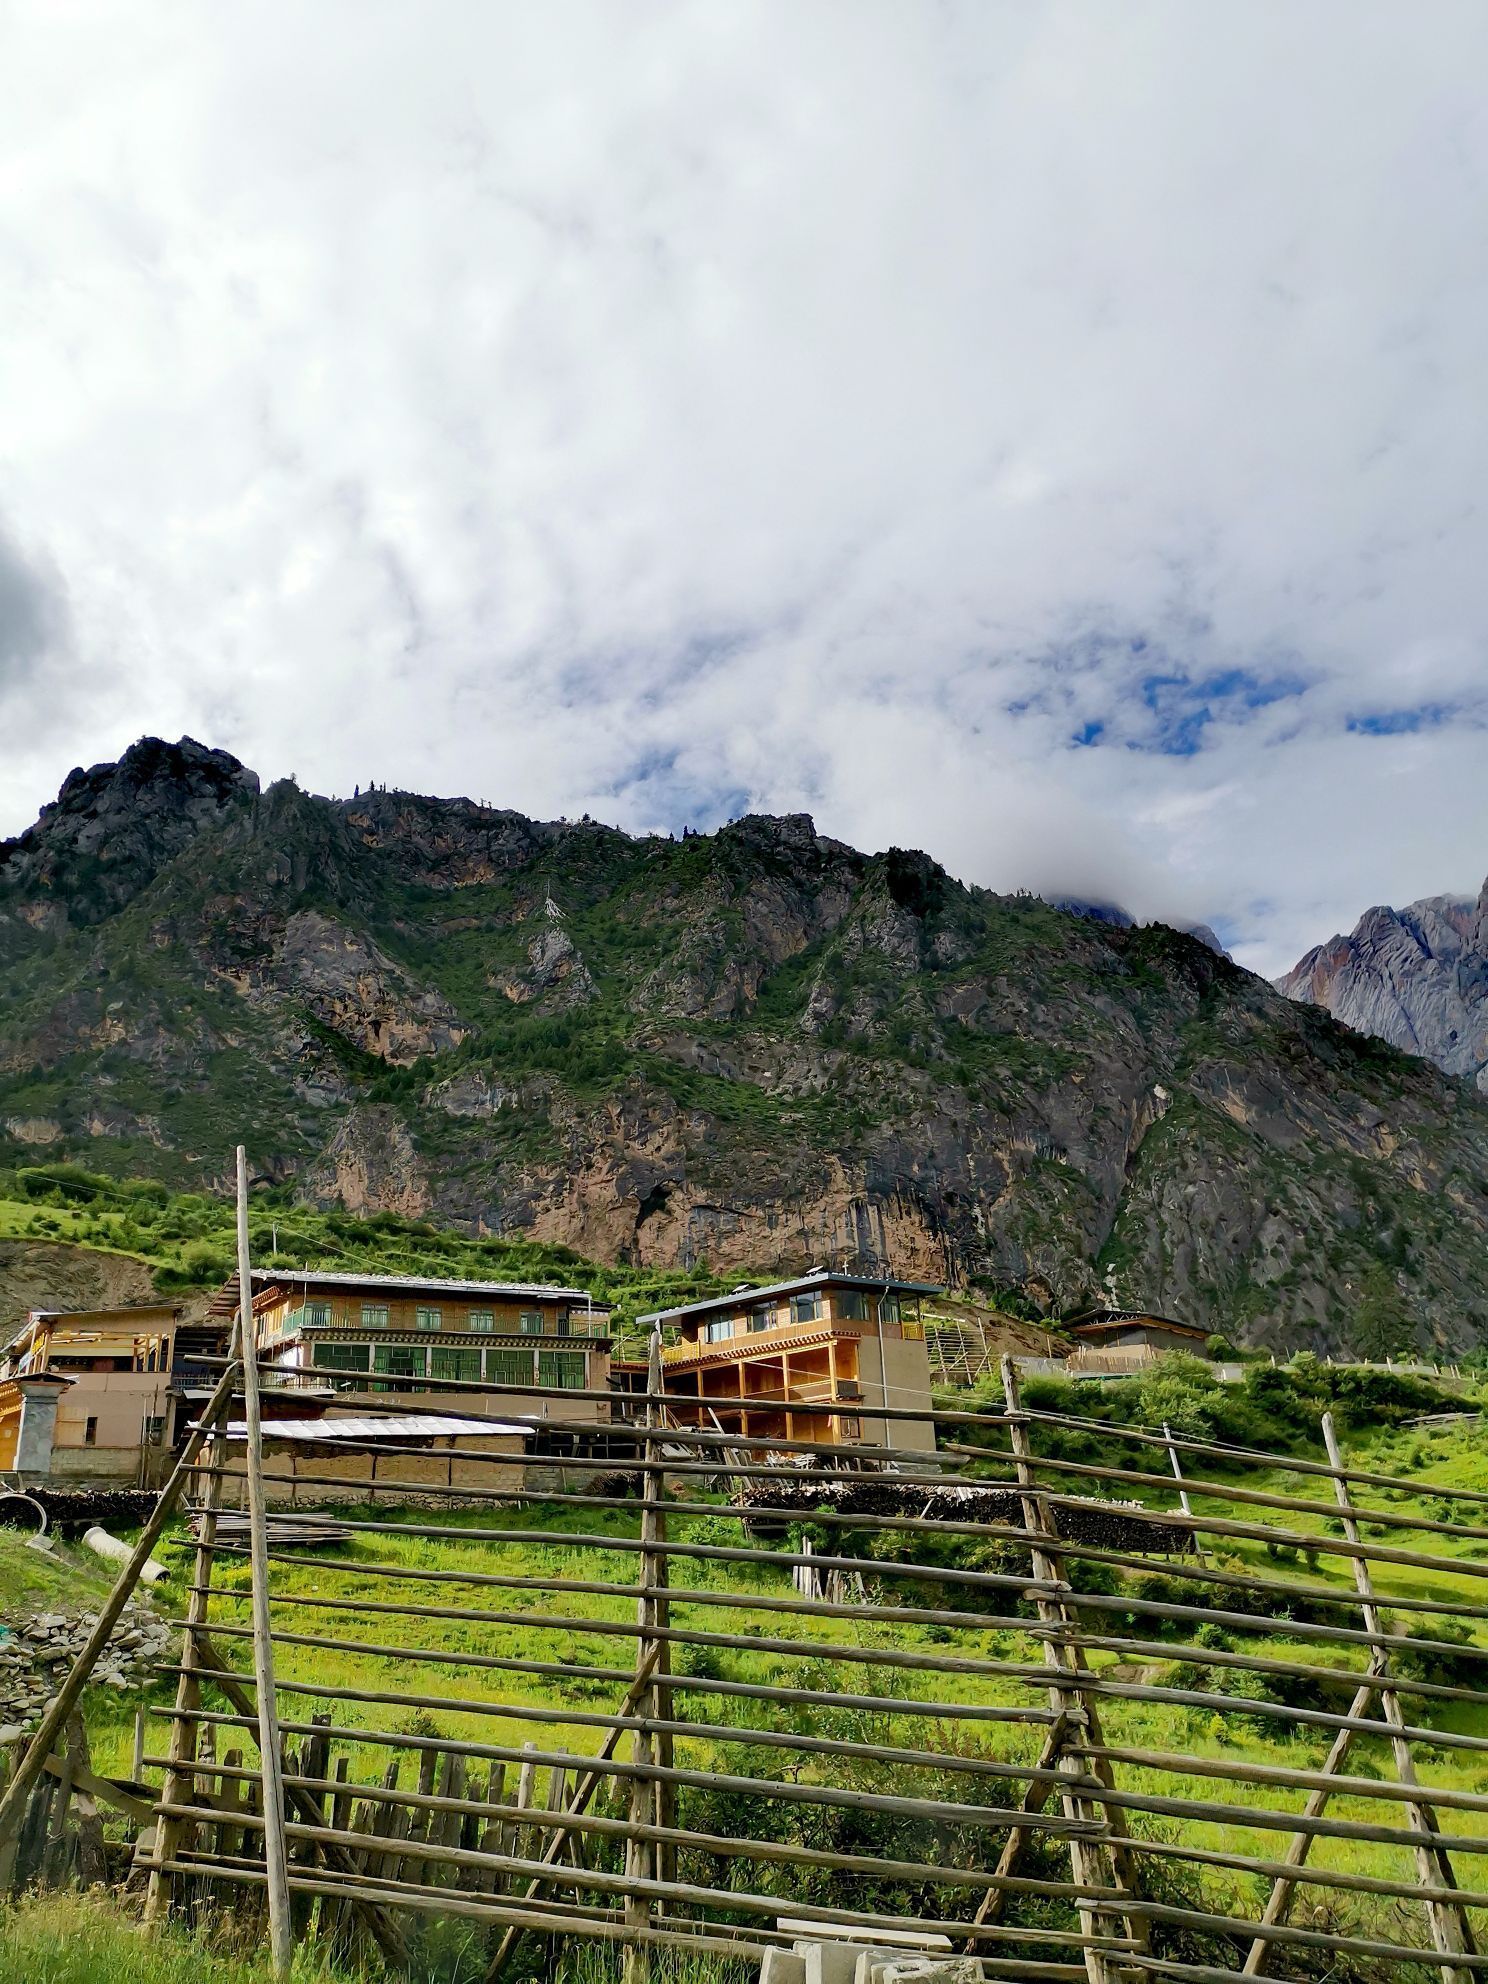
(588, 1783)
(54, 1722)
(276, 1852)
(179, 1779)
(1450, 1930)
(1074, 1710)
(648, 1797)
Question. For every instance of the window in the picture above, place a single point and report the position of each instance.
(563, 1327)
(806, 1308)
(561, 1370)
(428, 1319)
(718, 1332)
(344, 1357)
(888, 1308)
(315, 1316)
(374, 1315)
(851, 1305)
(530, 1322)
(762, 1319)
(154, 1429)
(446, 1361)
(509, 1367)
(400, 1360)
(481, 1319)
(90, 1432)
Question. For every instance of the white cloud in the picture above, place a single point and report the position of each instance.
(660, 409)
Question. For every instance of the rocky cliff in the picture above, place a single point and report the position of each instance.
(759, 1048)
(1417, 977)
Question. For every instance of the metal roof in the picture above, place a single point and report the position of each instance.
(316, 1277)
(743, 1298)
(392, 1426)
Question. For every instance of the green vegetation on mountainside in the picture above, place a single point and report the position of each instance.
(188, 1239)
(756, 1048)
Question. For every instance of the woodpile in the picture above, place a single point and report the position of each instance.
(1104, 1524)
(72, 1510)
(285, 1532)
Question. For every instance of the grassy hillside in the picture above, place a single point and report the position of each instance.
(441, 1658)
(188, 1239)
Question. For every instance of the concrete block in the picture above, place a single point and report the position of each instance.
(880, 1967)
(782, 1967)
(832, 1963)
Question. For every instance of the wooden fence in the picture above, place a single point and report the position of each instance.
(1078, 1729)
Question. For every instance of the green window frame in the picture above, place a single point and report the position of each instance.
(561, 1370)
(428, 1318)
(509, 1367)
(341, 1356)
(806, 1308)
(888, 1309)
(315, 1315)
(481, 1319)
(374, 1315)
(449, 1360)
(530, 1322)
(400, 1360)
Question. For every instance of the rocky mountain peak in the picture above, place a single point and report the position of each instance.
(1416, 977)
(113, 826)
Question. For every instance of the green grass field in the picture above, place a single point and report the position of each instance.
(435, 1660)
(440, 1660)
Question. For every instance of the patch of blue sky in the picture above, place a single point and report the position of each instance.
(1183, 706)
(1401, 722)
(675, 800)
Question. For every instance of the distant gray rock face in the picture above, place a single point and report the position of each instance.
(1417, 977)
(1117, 918)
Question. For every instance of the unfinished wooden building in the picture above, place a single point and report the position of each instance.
(765, 1361)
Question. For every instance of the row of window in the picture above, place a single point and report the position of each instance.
(374, 1316)
(556, 1370)
(849, 1305)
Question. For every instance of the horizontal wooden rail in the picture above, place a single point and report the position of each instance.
(787, 1791)
(546, 1818)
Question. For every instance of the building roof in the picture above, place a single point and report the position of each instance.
(412, 1284)
(743, 1298)
(1095, 1322)
(122, 1314)
(392, 1426)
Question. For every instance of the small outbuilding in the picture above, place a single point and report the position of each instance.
(1115, 1340)
(314, 1461)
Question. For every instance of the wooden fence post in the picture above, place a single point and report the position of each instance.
(33, 1758)
(650, 1801)
(1451, 1932)
(271, 1760)
(1074, 1709)
(170, 1831)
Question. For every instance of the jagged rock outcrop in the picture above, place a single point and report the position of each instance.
(759, 1048)
(112, 829)
(1417, 977)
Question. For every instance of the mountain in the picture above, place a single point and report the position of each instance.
(1417, 977)
(757, 1048)
(1122, 919)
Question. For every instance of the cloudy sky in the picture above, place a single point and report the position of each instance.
(1048, 434)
